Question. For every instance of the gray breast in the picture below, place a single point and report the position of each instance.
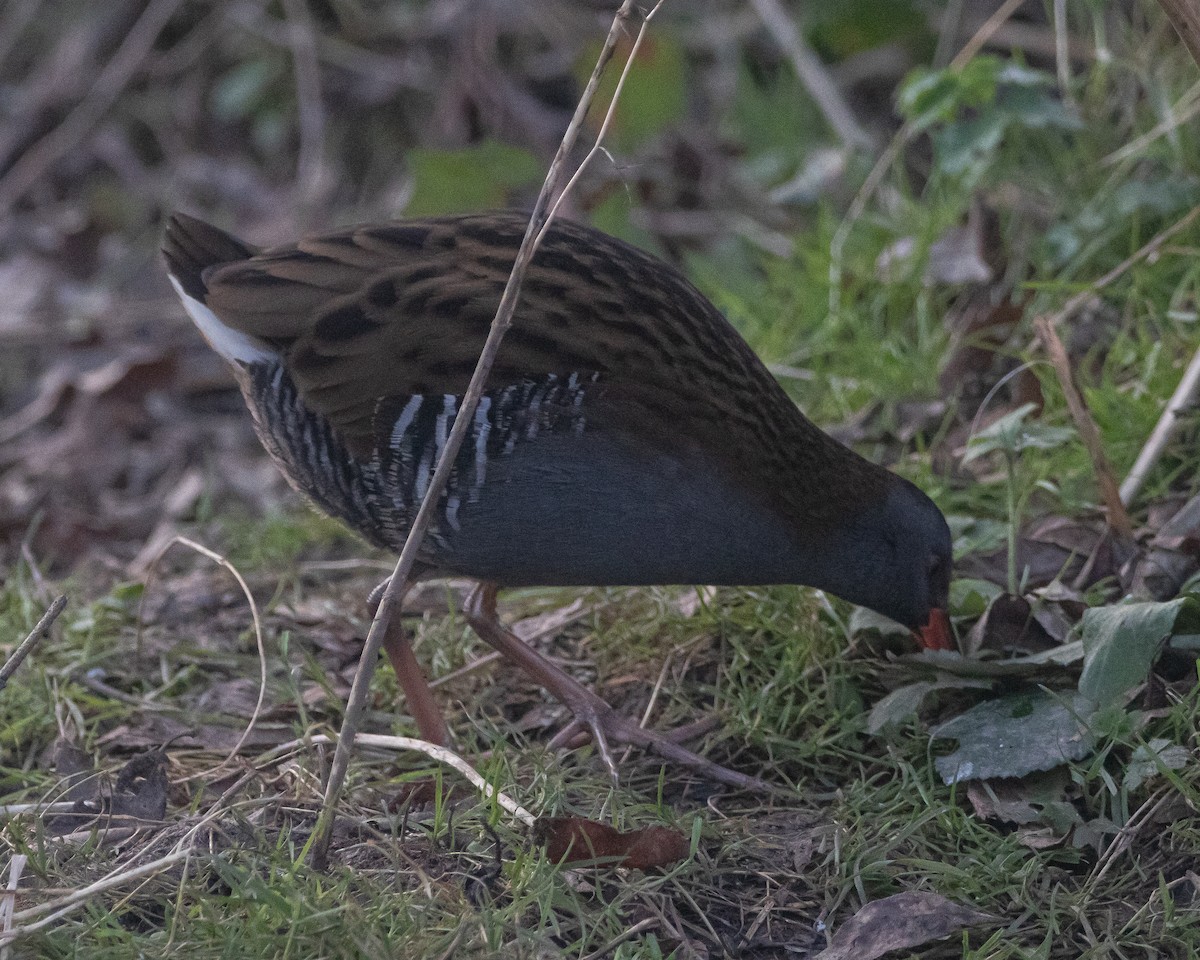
(539, 493)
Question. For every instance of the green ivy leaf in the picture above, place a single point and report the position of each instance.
(1121, 642)
(1015, 735)
(968, 143)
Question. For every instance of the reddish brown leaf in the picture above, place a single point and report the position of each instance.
(575, 840)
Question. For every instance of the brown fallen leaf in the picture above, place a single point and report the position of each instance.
(1008, 624)
(1173, 554)
(900, 922)
(152, 729)
(1040, 838)
(1019, 801)
(140, 794)
(1075, 552)
(980, 325)
(575, 840)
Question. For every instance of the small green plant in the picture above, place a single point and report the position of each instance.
(1010, 435)
(971, 112)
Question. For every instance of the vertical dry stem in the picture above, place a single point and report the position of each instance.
(1118, 518)
(408, 555)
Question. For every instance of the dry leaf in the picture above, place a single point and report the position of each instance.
(575, 840)
(1008, 624)
(900, 922)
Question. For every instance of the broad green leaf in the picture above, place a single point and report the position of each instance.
(970, 597)
(1151, 758)
(1040, 666)
(863, 620)
(899, 705)
(1038, 109)
(936, 96)
(927, 96)
(963, 144)
(1121, 642)
(904, 702)
(1014, 736)
(1020, 75)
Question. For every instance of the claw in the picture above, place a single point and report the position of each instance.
(591, 712)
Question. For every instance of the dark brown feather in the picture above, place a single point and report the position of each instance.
(388, 310)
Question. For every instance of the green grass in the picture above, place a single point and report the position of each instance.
(869, 815)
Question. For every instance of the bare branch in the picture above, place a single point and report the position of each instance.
(1183, 398)
(31, 641)
(812, 74)
(116, 75)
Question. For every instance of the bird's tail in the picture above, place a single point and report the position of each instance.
(191, 246)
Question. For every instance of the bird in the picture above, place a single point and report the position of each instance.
(627, 433)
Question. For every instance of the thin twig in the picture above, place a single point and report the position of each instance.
(31, 641)
(408, 555)
(949, 25)
(1062, 56)
(17, 15)
(441, 755)
(812, 74)
(55, 806)
(1179, 113)
(311, 179)
(1118, 518)
(258, 633)
(117, 73)
(598, 147)
(984, 33)
(1149, 248)
(1185, 18)
(1184, 396)
(398, 71)
(77, 898)
(16, 867)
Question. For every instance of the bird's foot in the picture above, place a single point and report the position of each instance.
(590, 711)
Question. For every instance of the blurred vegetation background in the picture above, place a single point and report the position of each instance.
(280, 117)
(966, 160)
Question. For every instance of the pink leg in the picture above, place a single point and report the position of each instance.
(591, 712)
(431, 724)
